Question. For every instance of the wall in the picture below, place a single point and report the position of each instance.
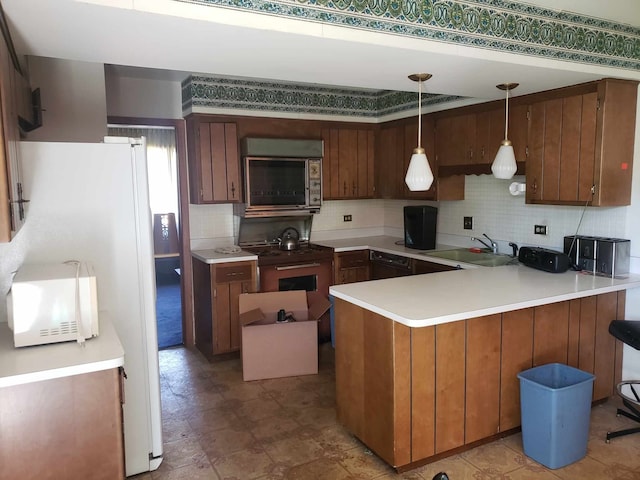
(73, 100)
(506, 218)
(142, 98)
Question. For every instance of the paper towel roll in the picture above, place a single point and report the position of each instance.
(517, 188)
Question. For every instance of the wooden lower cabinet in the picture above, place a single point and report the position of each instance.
(216, 288)
(413, 395)
(350, 267)
(69, 427)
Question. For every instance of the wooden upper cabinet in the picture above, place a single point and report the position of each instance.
(518, 133)
(561, 149)
(394, 146)
(214, 162)
(581, 146)
(473, 139)
(348, 163)
(455, 139)
(489, 134)
(389, 174)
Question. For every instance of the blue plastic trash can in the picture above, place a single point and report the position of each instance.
(555, 409)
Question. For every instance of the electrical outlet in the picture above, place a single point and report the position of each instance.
(347, 218)
(468, 223)
(540, 229)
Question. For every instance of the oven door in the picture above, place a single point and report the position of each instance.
(311, 276)
(276, 183)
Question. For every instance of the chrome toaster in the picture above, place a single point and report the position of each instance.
(604, 256)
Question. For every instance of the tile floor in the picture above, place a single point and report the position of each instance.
(218, 427)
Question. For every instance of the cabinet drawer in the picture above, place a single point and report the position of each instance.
(354, 259)
(233, 273)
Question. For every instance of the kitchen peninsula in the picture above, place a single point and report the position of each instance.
(426, 365)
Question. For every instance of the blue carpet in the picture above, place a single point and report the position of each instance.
(168, 310)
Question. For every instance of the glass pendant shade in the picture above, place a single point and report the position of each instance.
(419, 176)
(504, 166)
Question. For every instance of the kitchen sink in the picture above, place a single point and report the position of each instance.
(486, 258)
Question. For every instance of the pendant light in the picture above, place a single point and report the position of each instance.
(419, 176)
(504, 166)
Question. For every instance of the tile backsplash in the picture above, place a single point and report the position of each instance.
(503, 217)
(507, 218)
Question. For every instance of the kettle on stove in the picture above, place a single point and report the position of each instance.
(287, 241)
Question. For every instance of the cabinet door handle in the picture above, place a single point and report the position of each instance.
(294, 267)
(20, 202)
(123, 377)
(344, 188)
(354, 188)
(233, 190)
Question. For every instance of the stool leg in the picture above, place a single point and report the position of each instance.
(635, 416)
(621, 433)
(628, 415)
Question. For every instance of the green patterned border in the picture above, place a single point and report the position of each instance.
(492, 24)
(255, 95)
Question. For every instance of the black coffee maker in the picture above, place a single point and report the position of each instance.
(420, 227)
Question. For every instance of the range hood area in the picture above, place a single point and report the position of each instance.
(282, 177)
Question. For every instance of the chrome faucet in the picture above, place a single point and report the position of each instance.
(493, 246)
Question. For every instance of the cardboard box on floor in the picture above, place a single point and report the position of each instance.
(273, 350)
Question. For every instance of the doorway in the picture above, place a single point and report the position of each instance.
(162, 167)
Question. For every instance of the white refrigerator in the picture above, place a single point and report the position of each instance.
(90, 202)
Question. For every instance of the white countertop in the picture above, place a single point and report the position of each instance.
(212, 256)
(435, 298)
(45, 362)
(388, 244)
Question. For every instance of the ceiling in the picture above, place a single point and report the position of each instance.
(183, 38)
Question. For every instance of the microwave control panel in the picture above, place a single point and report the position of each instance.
(315, 182)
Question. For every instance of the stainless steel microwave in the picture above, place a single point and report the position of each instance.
(281, 176)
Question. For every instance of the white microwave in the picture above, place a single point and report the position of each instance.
(50, 303)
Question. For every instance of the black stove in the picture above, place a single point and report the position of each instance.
(306, 252)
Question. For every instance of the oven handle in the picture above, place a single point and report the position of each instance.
(293, 267)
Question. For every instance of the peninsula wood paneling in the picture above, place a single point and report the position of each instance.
(379, 385)
(450, 385)
(349, 358)
(517, 355)
(573, 347)
(414, 394)
(551, 333)
(587, 336)
(423, 373)
(482, 409)
(617, 377)
(401, 385)
(605, 348)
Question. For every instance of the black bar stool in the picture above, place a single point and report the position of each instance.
(628, 332)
